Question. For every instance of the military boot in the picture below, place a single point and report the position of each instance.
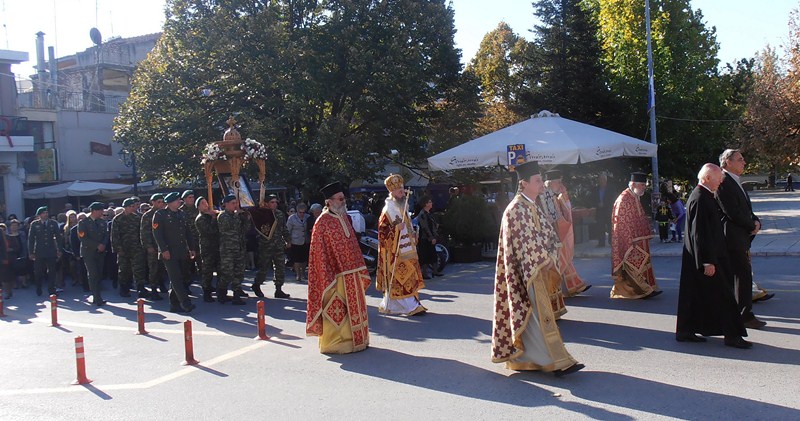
(280, 294)
(143, 292)
(207, 295)
(257, 289)
(222, 295)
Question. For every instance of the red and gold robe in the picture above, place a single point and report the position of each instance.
(337, 281)
(398, 263)
(631, 268)
(524, 331)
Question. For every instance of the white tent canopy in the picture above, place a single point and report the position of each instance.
(549, 139)
(76, 188)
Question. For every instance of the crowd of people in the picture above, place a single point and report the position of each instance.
(180, 234)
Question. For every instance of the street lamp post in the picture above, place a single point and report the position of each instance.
(129, 159)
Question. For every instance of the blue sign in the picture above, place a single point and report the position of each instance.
(516, 155)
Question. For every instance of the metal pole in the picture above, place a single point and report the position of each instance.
(135, 175)
(652, 100)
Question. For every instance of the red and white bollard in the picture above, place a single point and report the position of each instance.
(2, 304)
(262, 325)
(80, 362)
(187, 337)
(140, 316)
(54, 310)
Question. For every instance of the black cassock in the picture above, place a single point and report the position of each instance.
(706, 304)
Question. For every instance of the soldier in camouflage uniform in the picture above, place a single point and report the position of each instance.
(44, 244)
(176, 246)
(93, 235)
(155, 269)
(206, 225)
(273, 241)
(126, 243)
(233, 223)
(189, 208)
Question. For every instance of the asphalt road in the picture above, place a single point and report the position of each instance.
(431, 367)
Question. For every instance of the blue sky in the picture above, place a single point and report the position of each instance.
(743, 26)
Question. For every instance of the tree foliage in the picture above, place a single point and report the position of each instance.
(326, 85)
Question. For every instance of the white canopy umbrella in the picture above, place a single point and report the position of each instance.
(76, 188)
(549, 139)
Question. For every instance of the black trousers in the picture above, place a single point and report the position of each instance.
(742, 282)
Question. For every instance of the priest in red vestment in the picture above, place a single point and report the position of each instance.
(399, 274)
(524, 332)
(631, 267)
(337, 280)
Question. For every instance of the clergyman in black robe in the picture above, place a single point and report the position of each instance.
(706, 304)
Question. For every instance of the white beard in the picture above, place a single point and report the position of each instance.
(340, 209)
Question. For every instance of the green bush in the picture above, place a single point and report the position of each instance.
(468, 220)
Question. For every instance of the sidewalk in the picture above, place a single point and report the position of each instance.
(779, 212)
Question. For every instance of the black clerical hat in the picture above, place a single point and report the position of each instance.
(331, 189)
(552, 175)
(638, 177)
(526, 170)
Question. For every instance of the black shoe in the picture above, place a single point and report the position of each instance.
(207, 295)
(426, 277)
(653, 294)
(280, 294)
(39, 291)
(143, 293)
(689, 337)
(155, 296)
(764, 298)
(188, 307)
(586, 288)
(238, 301)
(99, 303)
(574, 368)
(738, 342)
(257, 289)
(438, 274)
(176, 309)
(240, 293)
(125, 292)
(222, 295)
(754, 324)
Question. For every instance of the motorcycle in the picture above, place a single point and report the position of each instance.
(369, 249)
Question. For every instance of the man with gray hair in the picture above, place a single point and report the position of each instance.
(741, 226)
(705, 301)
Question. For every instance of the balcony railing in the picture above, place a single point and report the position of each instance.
(71, 101)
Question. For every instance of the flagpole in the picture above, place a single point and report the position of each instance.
(651, 103)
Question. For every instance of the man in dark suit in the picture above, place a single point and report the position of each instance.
(741, 225)
(706, 304)
(604, 201)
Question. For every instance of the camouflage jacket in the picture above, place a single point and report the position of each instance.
(125, 233)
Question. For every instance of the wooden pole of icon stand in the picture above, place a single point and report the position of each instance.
(188, 344)
(140, 316)
(54, 310)
(80, 362)
(262, 325)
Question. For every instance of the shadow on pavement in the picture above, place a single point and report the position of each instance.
(461, 379)
(430, 326)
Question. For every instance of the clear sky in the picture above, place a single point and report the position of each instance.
(743, 26)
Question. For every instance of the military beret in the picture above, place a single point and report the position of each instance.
(199, 199)
(128, 202)
(97, 206)
(40, 210)
(171, 197)
(187, 193)
(228, 198)
(157, 196)
(136, 198)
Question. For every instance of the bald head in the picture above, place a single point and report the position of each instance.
(710, 176)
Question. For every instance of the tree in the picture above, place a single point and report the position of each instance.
(325, 84)
(566, 74)
(690, 102)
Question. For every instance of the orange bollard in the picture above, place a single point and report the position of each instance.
(2, 304)
(262, 325)
(187, 337)
(80, 362)
(140, 316)
(54, 310)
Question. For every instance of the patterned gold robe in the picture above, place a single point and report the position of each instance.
(524, 332)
